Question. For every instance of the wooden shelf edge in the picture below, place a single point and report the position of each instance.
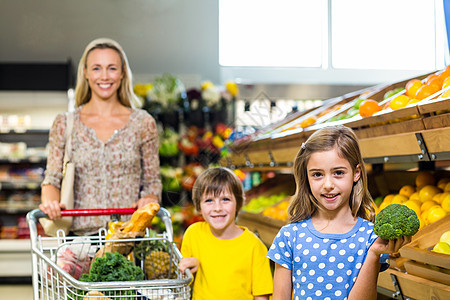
(413, 286)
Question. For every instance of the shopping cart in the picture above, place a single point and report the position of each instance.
(52, 281)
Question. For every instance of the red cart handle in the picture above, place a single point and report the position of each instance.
(97, 212)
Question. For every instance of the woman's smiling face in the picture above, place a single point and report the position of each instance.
(331, 180)
(104, 72)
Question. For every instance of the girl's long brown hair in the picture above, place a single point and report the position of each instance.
(303, 204)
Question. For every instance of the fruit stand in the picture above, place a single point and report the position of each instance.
(397, 134)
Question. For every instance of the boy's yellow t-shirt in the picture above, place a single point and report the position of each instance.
(229, 269)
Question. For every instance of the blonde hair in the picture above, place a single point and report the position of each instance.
(303, 204)
(214, 181)
(125, 92)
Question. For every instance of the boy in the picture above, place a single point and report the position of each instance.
(228, 260)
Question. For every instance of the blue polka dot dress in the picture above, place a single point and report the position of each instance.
(324, 265)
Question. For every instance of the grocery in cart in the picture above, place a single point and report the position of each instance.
(104, 266)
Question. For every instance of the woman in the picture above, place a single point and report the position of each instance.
(114, 146)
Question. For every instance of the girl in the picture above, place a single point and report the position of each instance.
(329, 250)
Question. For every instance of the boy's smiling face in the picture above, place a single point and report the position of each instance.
(219, 212)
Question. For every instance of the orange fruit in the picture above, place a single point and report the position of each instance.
(425, 91)
(436, 82)
(428, 192)
(368, 107)
(399, 102)
(425, 178)
(412, 86)
(446, 83)
(308, 122)
(430, 78)
(434, 79)
(435, 214)
(444, 75)
(407, 190)
(447, 187)
(399, 199)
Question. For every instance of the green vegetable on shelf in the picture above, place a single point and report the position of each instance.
(392, 92)
(395, 221)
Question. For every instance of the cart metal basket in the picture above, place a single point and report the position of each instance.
(52, 281)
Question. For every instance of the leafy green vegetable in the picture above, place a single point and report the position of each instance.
(395, 221)
(113, 267)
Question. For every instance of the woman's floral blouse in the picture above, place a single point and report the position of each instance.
(107, 175)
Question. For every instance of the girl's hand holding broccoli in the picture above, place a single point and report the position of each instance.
(381, 246)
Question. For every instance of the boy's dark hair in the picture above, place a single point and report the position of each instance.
(214, 181)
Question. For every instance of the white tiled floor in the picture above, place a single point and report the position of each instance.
(16, 292)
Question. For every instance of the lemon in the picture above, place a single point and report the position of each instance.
(442, 247)
(422, 222)
(442, 183)
(399, 199)
(399, 102)
(412, 101)
(414, 205)
(446, 203)
(437, 197)
(447, 187)
(388, 198)
(415, 196)
(435, 214)
(427, 205)
(445, 237)
(407, 190)
(428, 192)
(383, 205)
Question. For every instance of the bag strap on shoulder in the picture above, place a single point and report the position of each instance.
(68, 137)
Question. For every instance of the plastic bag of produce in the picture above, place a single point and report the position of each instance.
(74, 259)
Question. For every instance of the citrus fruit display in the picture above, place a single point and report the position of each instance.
(429, 201)
(368, 107)
(278, 211)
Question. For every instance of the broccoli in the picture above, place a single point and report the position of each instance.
(395, 221)
(113, 267)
